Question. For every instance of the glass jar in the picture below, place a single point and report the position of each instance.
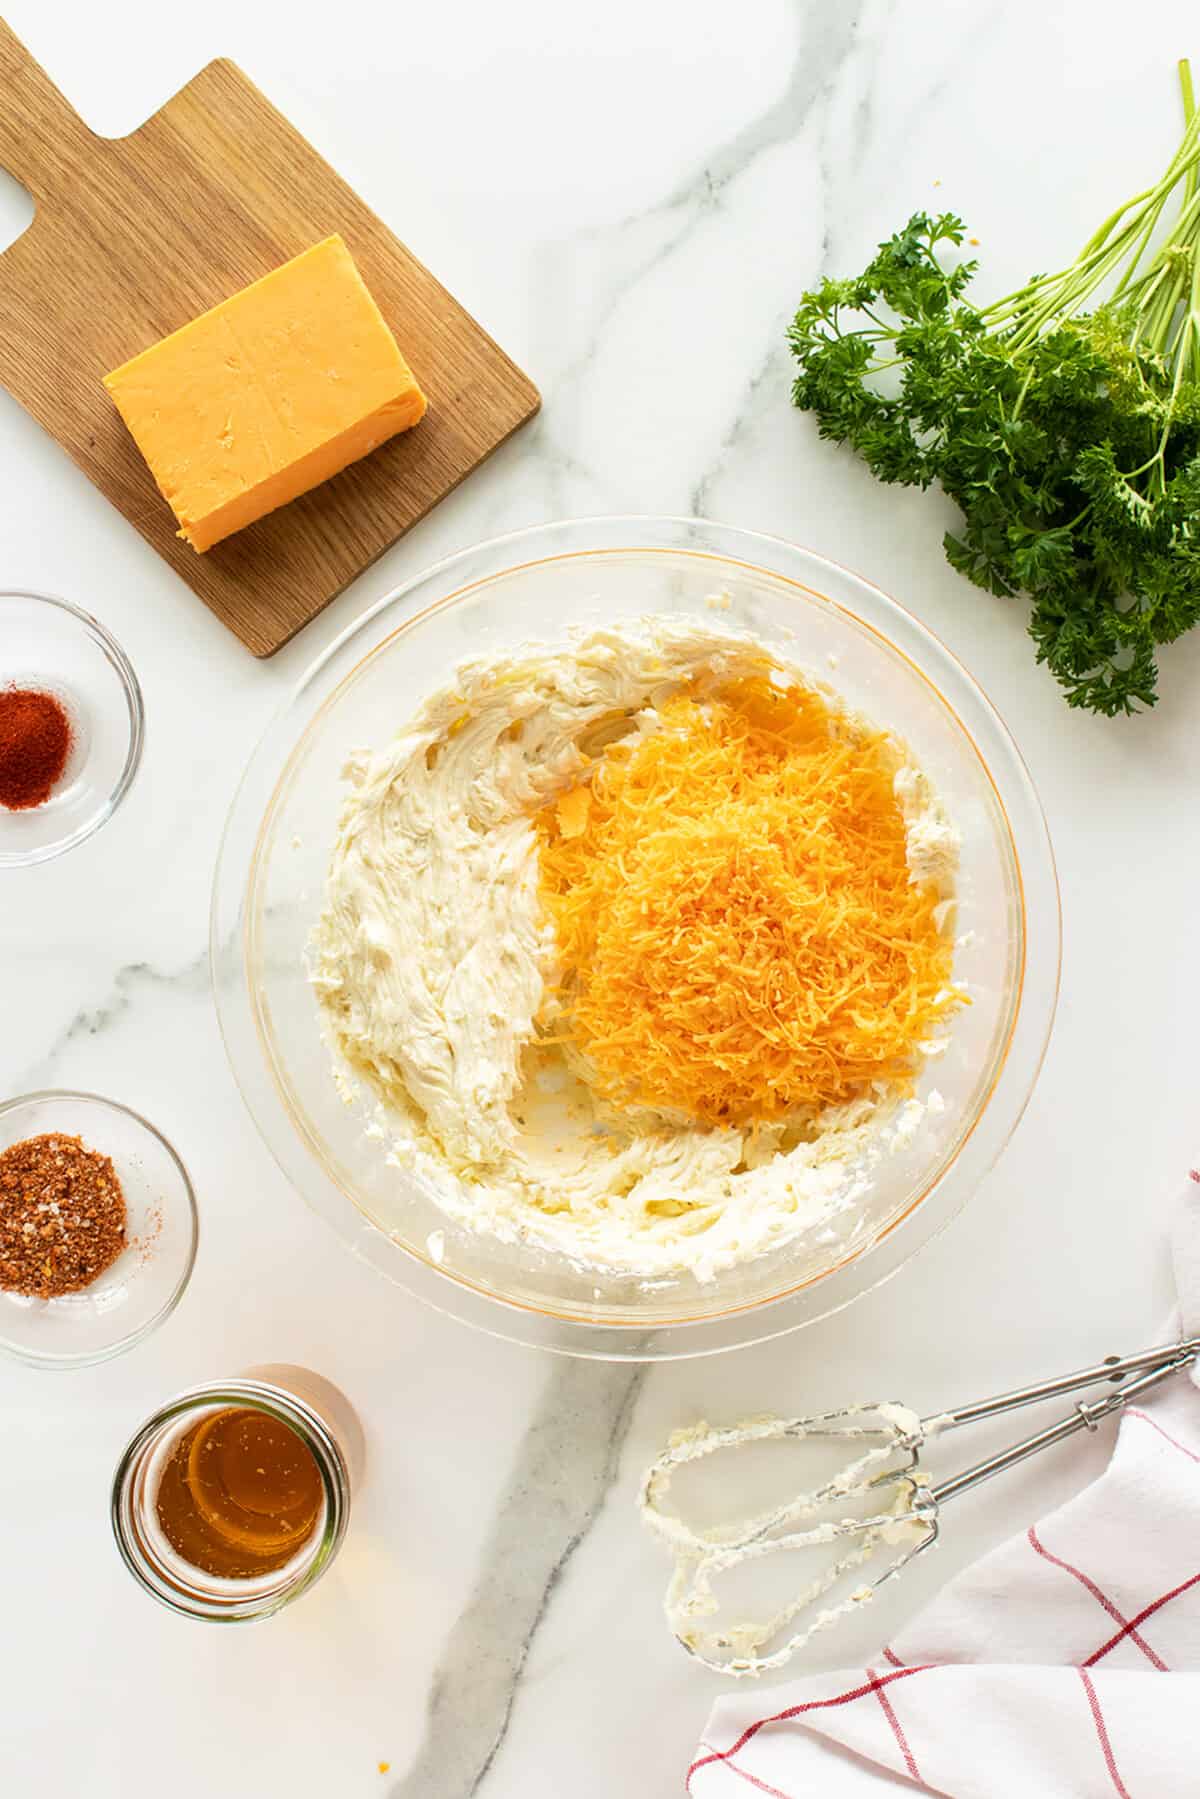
(325, 1423)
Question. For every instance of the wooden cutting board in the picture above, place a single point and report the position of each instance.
(134, 236)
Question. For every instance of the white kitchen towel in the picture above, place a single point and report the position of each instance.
(1065, 1665)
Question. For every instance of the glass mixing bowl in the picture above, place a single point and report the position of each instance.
(532, 586)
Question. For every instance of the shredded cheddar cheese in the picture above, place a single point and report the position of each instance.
(573, 810)
(739, 937)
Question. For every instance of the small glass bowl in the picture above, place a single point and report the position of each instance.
(145, 1283)
(49, 644)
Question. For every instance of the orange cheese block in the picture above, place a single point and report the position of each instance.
(267, 395)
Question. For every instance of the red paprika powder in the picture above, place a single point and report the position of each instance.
(35, 741)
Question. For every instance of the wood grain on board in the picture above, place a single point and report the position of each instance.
(134, 236)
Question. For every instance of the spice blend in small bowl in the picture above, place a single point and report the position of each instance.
(62, 1216)
(35, 741)
(97, 1229)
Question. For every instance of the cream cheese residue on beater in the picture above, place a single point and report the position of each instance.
(700, 1556)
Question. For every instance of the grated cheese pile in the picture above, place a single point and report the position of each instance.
(739, 937)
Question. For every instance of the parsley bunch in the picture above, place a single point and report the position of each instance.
(1069, 438)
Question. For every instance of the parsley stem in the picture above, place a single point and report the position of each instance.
(1189, 110)
(1117, 248)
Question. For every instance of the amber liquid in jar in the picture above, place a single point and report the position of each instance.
(240, 1495)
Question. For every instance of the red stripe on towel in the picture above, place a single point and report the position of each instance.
(889, 1712)
(795, 1711)
(1146, 1612)
(1102, 1732)
(1101, 1599)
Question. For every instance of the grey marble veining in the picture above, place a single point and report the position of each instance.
(124, 992)
(639, 246)
(564, 1468)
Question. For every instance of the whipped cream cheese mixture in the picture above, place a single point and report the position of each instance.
(433, 960)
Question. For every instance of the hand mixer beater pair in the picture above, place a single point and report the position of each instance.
(902, 1504)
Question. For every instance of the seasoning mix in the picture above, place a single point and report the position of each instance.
(62, 1216)
(35, 741)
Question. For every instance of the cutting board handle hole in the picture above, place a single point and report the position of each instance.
(16, 210)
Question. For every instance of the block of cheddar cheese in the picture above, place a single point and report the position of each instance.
(267, 395)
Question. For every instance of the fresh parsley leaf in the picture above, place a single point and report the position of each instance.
(1068, 438)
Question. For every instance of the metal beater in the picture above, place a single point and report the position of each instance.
(887, 1439)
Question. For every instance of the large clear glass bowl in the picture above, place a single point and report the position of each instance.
(532, 586)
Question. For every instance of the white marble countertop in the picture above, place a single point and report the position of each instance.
(631, 197)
